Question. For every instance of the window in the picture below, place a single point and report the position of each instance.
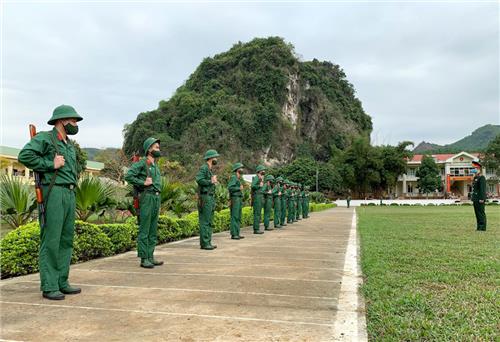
(411, 172)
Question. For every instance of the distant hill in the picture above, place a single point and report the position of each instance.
(476, 142)
(256, 102)
(93, 152)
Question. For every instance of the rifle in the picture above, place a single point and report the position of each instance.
(38, 185)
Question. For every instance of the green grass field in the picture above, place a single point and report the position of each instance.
(429, 276)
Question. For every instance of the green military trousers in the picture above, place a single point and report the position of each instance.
(56, 238)
(236, 204)
(149, 203)
(480, 215)
(284, 205)
(299, 208)
(291, 213)
(257, 211)
(206, 209)
(268, 208)
(305, 208)
(277, 212)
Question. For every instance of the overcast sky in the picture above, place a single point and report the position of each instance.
(423, 71)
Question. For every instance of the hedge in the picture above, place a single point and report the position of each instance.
(19, 248)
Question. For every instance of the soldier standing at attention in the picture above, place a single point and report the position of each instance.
(145, 176)
(277, 202)
(206, 203)
(306, 202)
(257, 197)
(267, 190)
(290, 213)
(299, 202)
(284, 201)
(236, 193)
(53, 155)
(479, 196)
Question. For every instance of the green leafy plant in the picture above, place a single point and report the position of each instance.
(93, 195)
(17, 200)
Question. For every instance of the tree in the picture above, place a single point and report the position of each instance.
(429, 179)
(81, 158)
(115, 161)
(17, 201)
(491, 158)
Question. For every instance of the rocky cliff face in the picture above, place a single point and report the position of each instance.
(256, 103)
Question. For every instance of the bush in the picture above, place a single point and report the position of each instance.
(394, 205)
(122, 236)
(320, 206)
(20, 247)
(90, 242)
(20, 251)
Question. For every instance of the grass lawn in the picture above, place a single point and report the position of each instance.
(429, 275)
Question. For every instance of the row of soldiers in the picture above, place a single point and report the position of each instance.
(52, 155)
(288, 200)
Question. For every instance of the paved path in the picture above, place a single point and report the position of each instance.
(294, 284)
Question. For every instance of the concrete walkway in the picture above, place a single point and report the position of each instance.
(294, 284)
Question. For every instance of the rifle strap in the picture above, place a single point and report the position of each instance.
(53, 180)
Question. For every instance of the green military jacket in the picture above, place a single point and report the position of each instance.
(256, 188)
(234, 186)
(38, 155)
(479, 188)
(204, 180)
(265, 190)
(138, 172)
(276, 191)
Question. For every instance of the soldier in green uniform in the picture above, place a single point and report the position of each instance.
(299, 201)
(277, 202)
(479, 196)
(146, 178)
(267, 191)
(284, 202)
(206, 203)
(235, 188)
(291, 203)
(306, 202)
(257, 197)
(349, 199)
(303, 199)
(53, 155)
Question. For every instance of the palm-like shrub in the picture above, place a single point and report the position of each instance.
(177, 198)
(17, 200)
(93, 195)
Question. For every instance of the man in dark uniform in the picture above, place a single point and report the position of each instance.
(53, 155)
(145, 177)
(206, 203)
(479, 196)
(235, 188)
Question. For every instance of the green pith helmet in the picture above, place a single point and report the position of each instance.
(279, 179)
(260, 168)
(237, 166)
(64, 112)
(148, 143)
(269, 178)
(211, 154)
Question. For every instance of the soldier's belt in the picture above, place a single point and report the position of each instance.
(67, 186)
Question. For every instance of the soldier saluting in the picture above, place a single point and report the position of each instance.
(53, 155)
